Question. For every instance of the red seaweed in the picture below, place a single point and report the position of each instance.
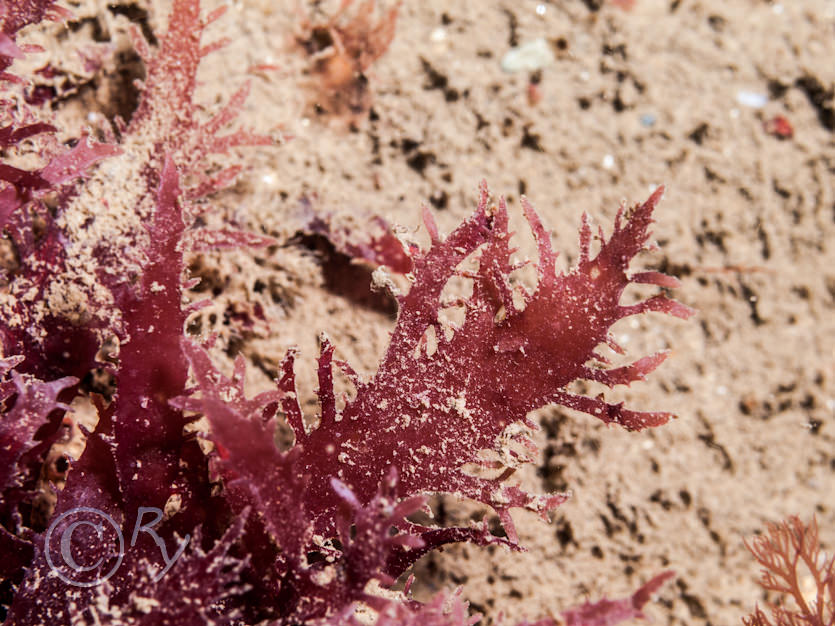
(216, 523)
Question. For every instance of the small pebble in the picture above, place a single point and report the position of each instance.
(608, 161)
(540, 9)
(648, 120)
(779, 126)
(528, 57)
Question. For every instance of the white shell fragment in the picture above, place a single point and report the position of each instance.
(528, 57)
(752, 99)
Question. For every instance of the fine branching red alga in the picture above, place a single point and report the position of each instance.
(795, 567)
(342, 49)
(223, 526)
